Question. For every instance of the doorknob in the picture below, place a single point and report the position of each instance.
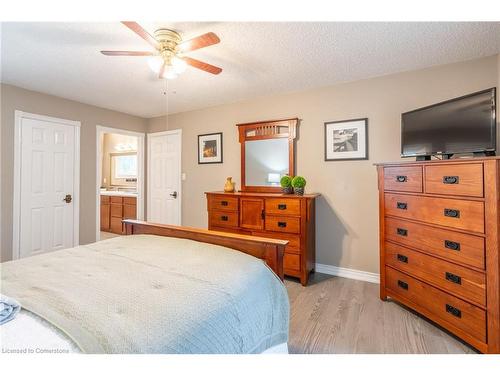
(68, 198)
(174, 194)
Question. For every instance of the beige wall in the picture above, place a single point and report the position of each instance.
(347, 212)
(14, 98)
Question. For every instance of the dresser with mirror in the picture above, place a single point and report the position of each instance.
(260, 208)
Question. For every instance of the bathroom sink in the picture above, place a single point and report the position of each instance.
(119, 193)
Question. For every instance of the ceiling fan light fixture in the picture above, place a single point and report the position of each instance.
(167, 59)
(170, 73)
(155, 63)
(179, 65)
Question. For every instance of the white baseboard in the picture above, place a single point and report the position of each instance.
(348, 273)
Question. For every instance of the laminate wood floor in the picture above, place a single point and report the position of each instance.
(338, 315)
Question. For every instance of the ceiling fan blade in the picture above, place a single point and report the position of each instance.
(127, 53)
(202, 65)
(201, 41)
(136, 28)
(162, 71)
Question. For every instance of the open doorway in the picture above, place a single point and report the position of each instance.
(119, 180)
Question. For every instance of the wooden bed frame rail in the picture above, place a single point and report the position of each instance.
(268, 249)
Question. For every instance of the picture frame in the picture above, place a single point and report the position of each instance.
(346, 140)
(210, 148)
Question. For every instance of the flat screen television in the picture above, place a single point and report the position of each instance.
(461, 125)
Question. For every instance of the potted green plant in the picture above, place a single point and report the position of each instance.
(298, 184)
(286, 184)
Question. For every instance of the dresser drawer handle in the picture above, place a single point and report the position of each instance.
(451, 180)
(453, 278)
(281, 206)
(452, 245)
(401, 178)
(282, 224)
(403, 258)
(224, 218)
(453, 311)
(452, 213)
(402, 232)
(402, 205)
(224, 203)
(403, 285)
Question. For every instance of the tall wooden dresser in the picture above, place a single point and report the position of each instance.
(439, 238)
(280, 216)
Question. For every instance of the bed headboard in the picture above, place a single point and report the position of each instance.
(268, 249)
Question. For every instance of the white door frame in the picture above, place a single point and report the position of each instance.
(179, 196)
(16, 218)
(100, 130)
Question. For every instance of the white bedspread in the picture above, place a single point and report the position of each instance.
(150, 294)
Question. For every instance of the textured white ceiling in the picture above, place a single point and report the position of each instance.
(258, 59)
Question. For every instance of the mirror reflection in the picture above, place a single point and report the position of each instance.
(266, 161)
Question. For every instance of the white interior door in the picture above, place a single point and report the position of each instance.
(46, 186)
(164, 177)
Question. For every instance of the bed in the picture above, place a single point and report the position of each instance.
(161, 289)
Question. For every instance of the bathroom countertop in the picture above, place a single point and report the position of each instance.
(119, 193)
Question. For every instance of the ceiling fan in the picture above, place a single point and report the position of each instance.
(168, 59)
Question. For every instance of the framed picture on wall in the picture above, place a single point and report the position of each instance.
(346, 140)
(210, 148)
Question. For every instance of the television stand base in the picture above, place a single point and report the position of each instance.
(483, 154)
(429, 157)
(423, 158)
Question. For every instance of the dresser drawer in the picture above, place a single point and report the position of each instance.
(293, 240)
(454, 213)
(463, 317)
(403, 179)
(283, 206)
(291, 261)
(458, 247)
(460, 281)
(282, 224)
(223, 218)
(454, 179)
(223, 203)
(116, 210)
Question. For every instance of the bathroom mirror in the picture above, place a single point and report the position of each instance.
(124, 169)
(267, 154)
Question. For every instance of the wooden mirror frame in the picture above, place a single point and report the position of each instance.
(268, 130)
